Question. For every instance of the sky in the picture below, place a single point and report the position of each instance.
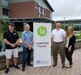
(66, 9)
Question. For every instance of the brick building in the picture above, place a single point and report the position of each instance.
(20, 11)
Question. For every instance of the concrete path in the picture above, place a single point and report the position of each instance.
(58, 70)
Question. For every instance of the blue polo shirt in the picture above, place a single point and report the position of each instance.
(27, 37)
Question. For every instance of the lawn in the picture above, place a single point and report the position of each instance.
(78, 34)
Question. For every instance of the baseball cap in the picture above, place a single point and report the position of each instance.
(11, 24)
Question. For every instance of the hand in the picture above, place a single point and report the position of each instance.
(30, 47)
(12, 45)
(69, 49)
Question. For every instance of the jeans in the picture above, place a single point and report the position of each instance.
(26, 56)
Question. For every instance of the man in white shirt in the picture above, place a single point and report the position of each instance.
(58, 41)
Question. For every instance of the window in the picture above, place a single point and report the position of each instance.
(5, 11)
(41, 11)
(41, 15)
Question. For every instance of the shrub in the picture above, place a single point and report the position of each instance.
(5, 24)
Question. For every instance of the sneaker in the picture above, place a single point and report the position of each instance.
(54, 65)
(7, 70)
(29, 64)
(70, 63)
(69, 66)
(23, 68)
(17, 67)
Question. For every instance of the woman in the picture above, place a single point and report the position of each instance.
(69, 46)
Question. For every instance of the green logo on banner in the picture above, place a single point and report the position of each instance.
(42, 31)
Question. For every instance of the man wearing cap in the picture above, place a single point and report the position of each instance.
(11, 40)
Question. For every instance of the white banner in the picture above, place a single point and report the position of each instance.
(42, 44)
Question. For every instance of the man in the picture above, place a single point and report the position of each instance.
(11, 40)
(27, 40)
(58, 41)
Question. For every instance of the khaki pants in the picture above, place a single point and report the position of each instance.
(58, 47)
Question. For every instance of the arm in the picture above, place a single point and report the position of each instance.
(5, 36)
(64, 40)
(30, 46)
(72, 42)
(64, 37)
(17, 42)
(7, 42)
(52, 36)
(23, 41)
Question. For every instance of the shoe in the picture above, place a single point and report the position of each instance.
(54, 65)
(23, 68)
(63, 66)
(17, 67)
(69, 66)
(7, 70)
(29, 64)
(70, 63)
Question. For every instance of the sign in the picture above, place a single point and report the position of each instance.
(42, 44)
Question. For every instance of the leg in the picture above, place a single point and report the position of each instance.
(66, 53)
(29, 57)
(70, 57)
(7, 63)
(15, 55)
(8, 57)
(15, 61)
(24, 57)
(55, 53)
(62, 54)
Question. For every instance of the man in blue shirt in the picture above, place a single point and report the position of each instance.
(27, 40)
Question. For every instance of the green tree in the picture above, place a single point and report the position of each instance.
(5, 24)
(71, 24)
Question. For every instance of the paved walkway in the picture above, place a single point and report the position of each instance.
(58, 70)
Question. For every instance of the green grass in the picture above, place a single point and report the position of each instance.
(78, 34)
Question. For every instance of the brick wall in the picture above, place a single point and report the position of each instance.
(47, 13)
(26, 9)
(36, 9)
(21, 10)
(0, 9)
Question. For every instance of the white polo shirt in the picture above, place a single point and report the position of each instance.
(58, 35)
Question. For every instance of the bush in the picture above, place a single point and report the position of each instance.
(5, 24)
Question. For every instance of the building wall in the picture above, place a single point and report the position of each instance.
(21, 10)
(27, 9)
(36, 9)
(47, 11)
(41, 3)
(0, 9)
(17, 1)
(5, 5)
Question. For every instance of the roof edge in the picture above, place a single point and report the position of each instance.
(49, 5)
